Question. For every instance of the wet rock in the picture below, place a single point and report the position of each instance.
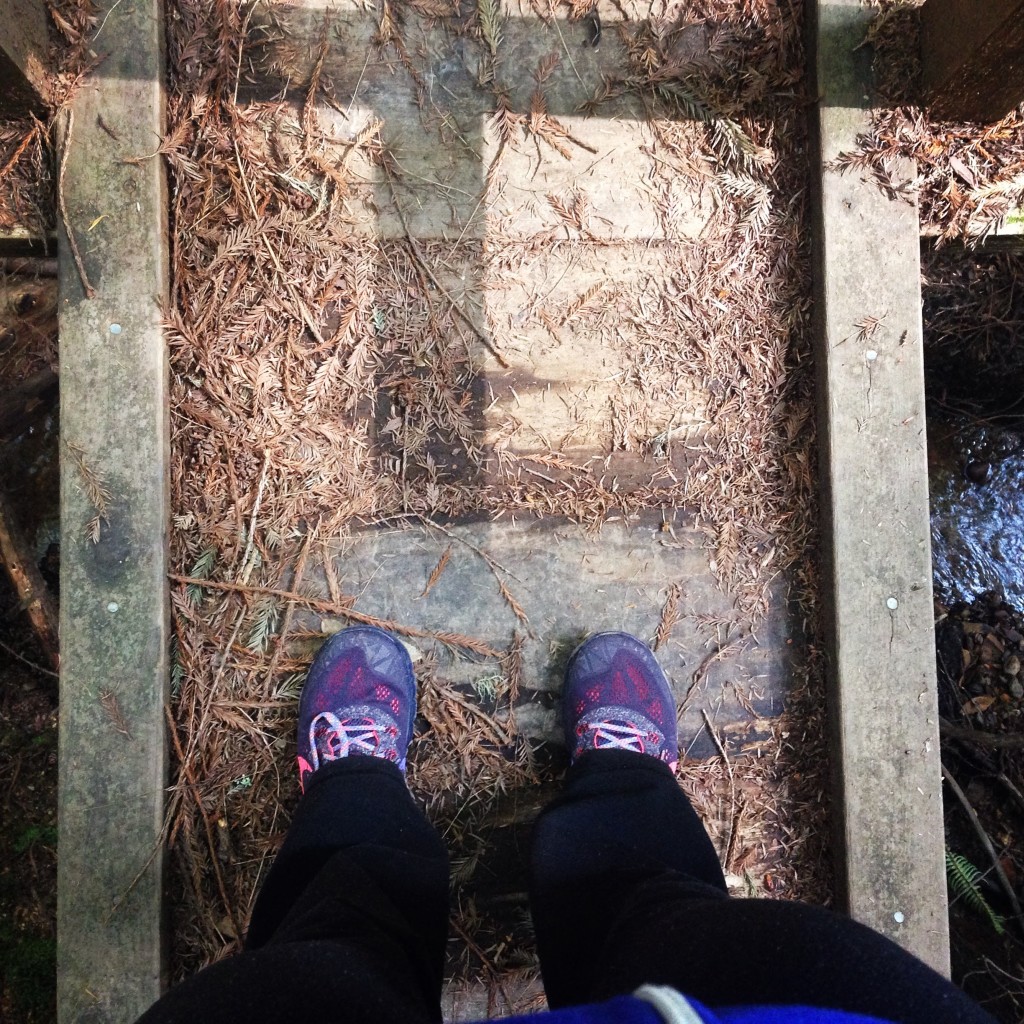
(1017, 689)
(1012, 665)
(978, 472)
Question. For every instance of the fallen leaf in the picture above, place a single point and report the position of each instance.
(978, 704)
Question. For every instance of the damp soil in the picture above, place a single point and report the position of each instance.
(28, 823)
(29, 477)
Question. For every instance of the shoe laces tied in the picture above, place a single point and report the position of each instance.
(614, 736)
(341, 739)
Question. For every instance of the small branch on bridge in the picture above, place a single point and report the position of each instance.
(426, 268)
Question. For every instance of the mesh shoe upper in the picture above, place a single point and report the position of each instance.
(617, 697)
(359, 700)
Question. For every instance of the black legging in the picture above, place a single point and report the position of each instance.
(626, 889)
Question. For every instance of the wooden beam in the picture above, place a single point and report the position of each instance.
(877, 576)
(114, 620)
(23, 52)
(972, 58)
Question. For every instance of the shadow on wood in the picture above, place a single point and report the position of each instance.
(972, 58)
(23, 46)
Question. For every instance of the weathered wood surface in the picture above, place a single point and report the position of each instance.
(569, 582)
(114, 510)
(440, 191)
(23, 54)
(972, 58)
(878, 577)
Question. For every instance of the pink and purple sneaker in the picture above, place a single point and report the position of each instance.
(617, 697)
(359, 700)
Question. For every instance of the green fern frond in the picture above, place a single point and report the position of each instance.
(264, 622)
(201, 569)
(963, 880)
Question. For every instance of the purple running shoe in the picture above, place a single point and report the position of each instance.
(617, 697)
(359, 699)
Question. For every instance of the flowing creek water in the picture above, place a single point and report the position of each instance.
(977, 511)
(974, 366)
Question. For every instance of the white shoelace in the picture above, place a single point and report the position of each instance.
(610, 736)
(342, 738)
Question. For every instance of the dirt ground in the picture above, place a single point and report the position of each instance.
(28, 824)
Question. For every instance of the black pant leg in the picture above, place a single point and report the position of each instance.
(736, 952)
(351, 923)
(626, 890)
(621, 820)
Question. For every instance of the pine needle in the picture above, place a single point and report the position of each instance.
(264, 621)
(491, 24)
(438, 570)
(669, 615)
(201, 567)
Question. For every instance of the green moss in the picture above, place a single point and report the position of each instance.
(35, 835)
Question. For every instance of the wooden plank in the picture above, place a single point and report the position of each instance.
(972, 58)
(20, 242)
(883, 706)
(23, 49)
(448, 182)
(564, 578)
(114, 466)
(1008, 234)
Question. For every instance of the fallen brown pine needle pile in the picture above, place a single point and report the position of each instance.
(969, 176)
(325, 378)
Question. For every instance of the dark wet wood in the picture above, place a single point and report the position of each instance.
(33, 595)
(23, 54)
(972, 58)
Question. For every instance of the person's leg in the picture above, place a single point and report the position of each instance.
(360, 808)
(626, 888)
(735, 952)
(352, 919)
(620, 821)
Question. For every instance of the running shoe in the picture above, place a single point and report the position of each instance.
(359, 700)
(617, 697)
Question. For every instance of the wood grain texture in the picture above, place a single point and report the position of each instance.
(972, 58)
(878, 574)
(114, 518)
(23, 53)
